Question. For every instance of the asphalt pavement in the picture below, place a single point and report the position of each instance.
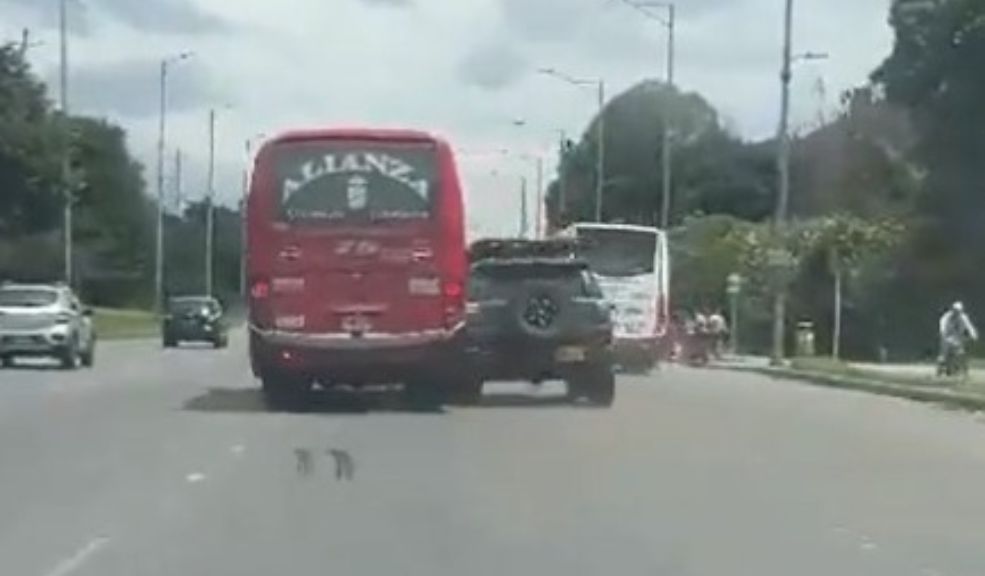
(166, 463)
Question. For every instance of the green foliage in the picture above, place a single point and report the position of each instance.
(714, 172)
(114, 221)
(30, 147)
(935, 71)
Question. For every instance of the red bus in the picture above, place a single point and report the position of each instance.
(356, 262)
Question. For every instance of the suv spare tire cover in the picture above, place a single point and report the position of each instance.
(538, 310)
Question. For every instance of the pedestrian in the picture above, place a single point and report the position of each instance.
(718, 328)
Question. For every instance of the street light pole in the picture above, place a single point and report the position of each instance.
(600, 169)
(66, 167)
(538, 209)
(210, 208)
(600, 131)
(161, 136)
(783, 171)
(561, 180)
(161, 144)
(523, 208)
(178, 193)
(668, 140)
(243, 201)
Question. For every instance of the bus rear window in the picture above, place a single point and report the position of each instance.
(619, 253)
(342, 181)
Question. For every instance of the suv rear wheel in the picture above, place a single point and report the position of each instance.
(6, 361)
(596, 384)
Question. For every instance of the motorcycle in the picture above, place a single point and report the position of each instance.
(954, 362)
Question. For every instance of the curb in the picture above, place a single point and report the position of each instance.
(932, 395)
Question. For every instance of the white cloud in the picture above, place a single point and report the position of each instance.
(462, 68)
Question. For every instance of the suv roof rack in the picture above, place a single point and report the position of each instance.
(516, 248)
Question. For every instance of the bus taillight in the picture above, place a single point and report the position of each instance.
(260, 290)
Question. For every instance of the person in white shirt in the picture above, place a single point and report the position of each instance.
(955, 328)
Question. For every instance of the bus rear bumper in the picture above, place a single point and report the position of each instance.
(371, 358)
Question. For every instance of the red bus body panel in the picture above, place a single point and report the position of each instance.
(347, 300)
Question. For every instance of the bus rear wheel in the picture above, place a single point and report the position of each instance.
(284, 391)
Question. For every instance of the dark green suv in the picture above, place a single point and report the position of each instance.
(536, 313)
(194, 319)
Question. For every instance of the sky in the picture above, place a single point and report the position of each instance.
(465, 69)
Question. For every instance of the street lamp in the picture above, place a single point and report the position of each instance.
(670, 22)
(161, 142)
(67, 191)
(210, 205)
(248, 146)
(600, 168)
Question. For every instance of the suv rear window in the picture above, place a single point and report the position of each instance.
(184, 305)
(486, 280)
(341, 181)
(27, 297)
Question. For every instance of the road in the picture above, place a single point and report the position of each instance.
(165, 463)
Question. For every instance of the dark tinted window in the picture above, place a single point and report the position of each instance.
(27, 297)
(341, 181)
(182, 305)
(491, 280)
(617, 253)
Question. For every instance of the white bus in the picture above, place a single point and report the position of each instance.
(632, 265)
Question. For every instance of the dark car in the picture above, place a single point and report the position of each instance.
(194, 319)
(536, 313)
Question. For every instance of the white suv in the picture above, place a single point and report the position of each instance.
(45, 321)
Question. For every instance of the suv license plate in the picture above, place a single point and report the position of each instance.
(568, 354)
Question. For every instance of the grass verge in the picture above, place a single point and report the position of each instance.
(832, 374)
(115, 324)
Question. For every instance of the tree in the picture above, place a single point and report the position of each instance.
(715, 173)
(935, 72)
(845, 243)
(29, 150)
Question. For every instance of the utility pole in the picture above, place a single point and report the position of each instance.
(783, 198)
(210, 208)
(66, 166)
(159, 248)
(161, 143)
(668, 140)
(244, 194)
(561, 181)
(178, 193)
(600, 169)
(523, 207)
(538, 209)
(667, 152)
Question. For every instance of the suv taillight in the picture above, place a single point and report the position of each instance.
(453, 302)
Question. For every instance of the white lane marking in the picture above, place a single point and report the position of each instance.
(238, 449)
(76, 561)
(194, 477)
